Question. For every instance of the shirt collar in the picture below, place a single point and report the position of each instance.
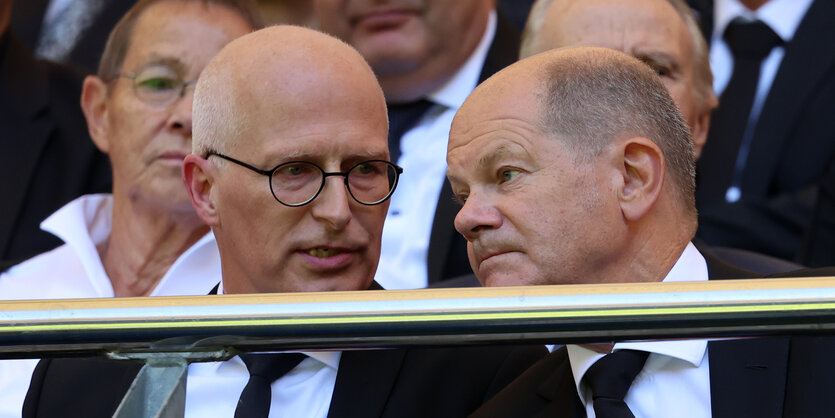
(782, 16)
(329, 358)
(691, 266)
(453, 93)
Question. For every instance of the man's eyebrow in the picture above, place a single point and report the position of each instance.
(654, 57)
(317, 157)
(170, 62)
(495, 154)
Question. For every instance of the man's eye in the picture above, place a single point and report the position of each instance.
(661, 70)
(158, 84)
(509, 173)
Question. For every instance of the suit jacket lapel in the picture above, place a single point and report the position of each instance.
(364, 381)
(809, 59)
(28, 133)
(559, 391)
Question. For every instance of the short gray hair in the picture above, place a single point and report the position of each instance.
(591, 102)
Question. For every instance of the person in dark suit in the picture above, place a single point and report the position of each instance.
(558, 188)
(297, 107)
(428, 56)
(772, 142)
(47, 158)
(81, 46)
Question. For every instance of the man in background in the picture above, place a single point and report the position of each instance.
(772, 138)
(428, 56)
(46, 156)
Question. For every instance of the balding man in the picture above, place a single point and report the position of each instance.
(559, 189)
(290, 169)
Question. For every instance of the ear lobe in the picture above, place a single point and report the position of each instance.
(643, 176)
(198, 177)
(94, 105)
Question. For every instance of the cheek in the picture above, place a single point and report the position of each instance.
(682, 94)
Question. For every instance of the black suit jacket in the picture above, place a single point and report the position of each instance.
(447, 254)
(759, 377)
(46, 155)
(792, 149)
(435, 382)
(440, 382)
(27, 22)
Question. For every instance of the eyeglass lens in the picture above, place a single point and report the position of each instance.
(157, 84)
(298, 182)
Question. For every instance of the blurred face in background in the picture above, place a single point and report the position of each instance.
(649, 30)
(428, 38)
(145, 130)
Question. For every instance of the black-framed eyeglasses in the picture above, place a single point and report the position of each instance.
(158, 85)
(297, 183)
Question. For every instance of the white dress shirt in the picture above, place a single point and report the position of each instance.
(678, 369)
(74, 270)
(213, 389)
(403, 259)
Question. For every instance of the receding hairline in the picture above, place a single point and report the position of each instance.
(280, 52)
(531, 38)
(120, 38)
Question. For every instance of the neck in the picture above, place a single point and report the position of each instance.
(144, 243)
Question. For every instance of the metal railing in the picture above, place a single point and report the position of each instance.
(169, 332)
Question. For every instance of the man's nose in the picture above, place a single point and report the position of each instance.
(478, 214)
(180, 120)
(332, 206)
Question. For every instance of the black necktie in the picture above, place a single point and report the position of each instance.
(264, 369)
(727, 146)
(609, 380)
(403, 117)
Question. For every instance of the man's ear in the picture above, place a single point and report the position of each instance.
(94, 104)
(198, 175)
(642, 168)
(702, 126)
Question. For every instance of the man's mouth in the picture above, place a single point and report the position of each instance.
(324, 252)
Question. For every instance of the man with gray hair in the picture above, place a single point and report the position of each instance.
(560, 189)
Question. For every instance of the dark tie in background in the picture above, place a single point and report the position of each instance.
(609, 380)
(264, 369)
(403, 117)
(728, 144)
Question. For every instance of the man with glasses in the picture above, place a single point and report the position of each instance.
(144, 239)
(290, 168)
